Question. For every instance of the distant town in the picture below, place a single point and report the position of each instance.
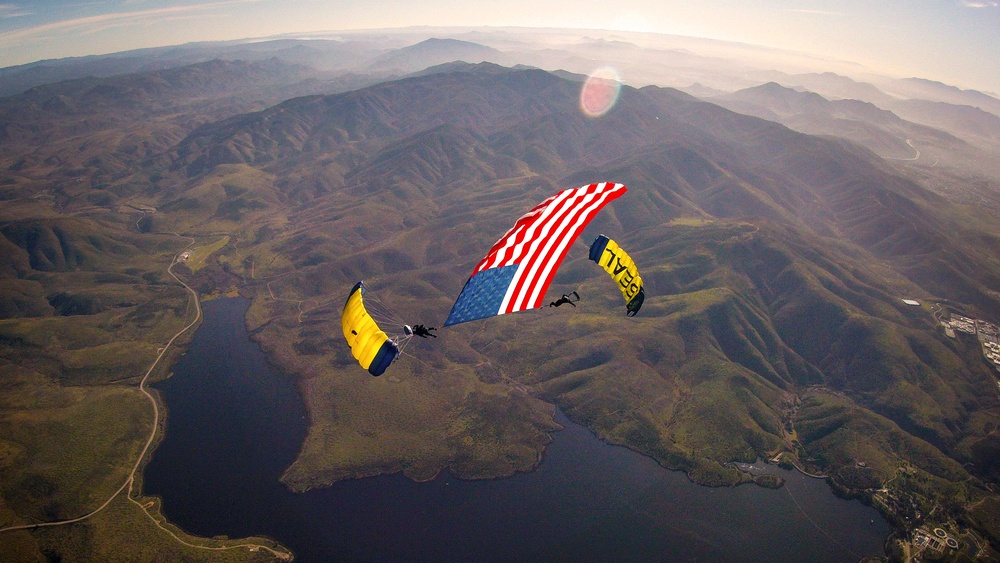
(988, 334)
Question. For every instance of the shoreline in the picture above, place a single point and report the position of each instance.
(157, 433)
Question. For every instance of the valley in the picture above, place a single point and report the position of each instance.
(775, 231)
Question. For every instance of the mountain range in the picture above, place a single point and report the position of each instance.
(777, 231)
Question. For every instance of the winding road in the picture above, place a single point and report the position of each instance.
(130, 480)
(915, 150)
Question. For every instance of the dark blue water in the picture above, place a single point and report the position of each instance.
(235, 424)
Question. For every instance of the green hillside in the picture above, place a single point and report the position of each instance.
(775, 266)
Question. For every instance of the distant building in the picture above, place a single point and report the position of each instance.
(992, 352)
(988, 332)
(963, 324)
(936, 542)
(911, 302)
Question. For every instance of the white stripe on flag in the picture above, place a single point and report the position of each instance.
(561, 245)
(553, 233)
(546, 261)
(545, 242)
(516, 246)
(527, 248)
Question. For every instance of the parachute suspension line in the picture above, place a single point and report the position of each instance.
(384, 315)
(375, 303)
(381, 319)
(402, 342)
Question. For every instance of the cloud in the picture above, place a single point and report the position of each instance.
(814, 12)
(90, 24)
(13, 11)
(978, 4)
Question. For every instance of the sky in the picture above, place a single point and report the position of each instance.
(953, 41)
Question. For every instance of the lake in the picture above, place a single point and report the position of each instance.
(235, 423)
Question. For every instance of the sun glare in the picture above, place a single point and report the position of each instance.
(600, 91)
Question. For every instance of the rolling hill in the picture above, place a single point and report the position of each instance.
(447, 147)
(775, 264)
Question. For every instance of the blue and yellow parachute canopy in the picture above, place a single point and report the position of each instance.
(620, 266)
(370, 345)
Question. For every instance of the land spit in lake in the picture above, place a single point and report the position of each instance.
(236, 424)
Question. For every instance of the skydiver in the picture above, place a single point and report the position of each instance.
(423, 331)
(566, 299)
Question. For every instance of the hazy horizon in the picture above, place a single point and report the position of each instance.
(951, 41)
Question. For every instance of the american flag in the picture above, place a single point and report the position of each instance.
(517, 271)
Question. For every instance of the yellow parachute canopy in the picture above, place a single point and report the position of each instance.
(370, 346)
(619, 264)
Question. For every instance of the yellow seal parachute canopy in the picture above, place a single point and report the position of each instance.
(370, 345)
(619, 264)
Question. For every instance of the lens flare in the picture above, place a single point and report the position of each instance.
(600, 91)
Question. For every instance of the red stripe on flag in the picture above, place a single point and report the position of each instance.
(557, 225)
(508, 249)
(541, 238)
(547, 265)
(550, 247)
(498, 254)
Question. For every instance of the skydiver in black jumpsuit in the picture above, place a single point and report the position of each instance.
(566, 299)
(423, 331)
